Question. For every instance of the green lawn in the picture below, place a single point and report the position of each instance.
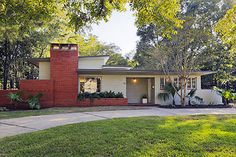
(145, 136)
(57, 110)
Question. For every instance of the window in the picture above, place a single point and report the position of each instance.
(177, 82)
(194, 83)
(90, 84)
(189, 83)
(162, 83)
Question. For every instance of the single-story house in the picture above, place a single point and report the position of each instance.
(66, 74)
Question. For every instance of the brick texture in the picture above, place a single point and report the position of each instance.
(103, 102)
(46, 87)
(4, 100)
(64, 66)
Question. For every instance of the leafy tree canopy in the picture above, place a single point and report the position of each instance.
(161, 13)
(226, 27)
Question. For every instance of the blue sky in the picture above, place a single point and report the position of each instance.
(120, 30)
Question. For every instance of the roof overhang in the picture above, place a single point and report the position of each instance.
(133, 72)
(35, 61)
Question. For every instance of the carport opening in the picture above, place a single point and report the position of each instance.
(136, 88)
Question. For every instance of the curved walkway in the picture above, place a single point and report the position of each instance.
(9, 127)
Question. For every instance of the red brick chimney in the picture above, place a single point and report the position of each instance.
(64, 66)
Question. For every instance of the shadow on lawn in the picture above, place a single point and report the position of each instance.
(144, 136)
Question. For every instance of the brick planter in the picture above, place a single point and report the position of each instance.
(103, 102)
(4, 100)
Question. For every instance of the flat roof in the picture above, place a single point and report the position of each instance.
(116, 66)
(133, 72)
(35, 61)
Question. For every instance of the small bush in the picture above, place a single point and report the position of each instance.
(106, 94)
(33, 101)
(15, 98)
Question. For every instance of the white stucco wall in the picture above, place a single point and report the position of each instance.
(209, 96)
(117, 83)
(44, 70)
(91, 62)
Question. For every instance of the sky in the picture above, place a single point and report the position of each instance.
(120, 30)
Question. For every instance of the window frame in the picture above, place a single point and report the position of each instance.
(195, 82)
(162, 83)
(98, 87)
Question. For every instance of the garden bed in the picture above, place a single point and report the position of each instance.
(195, 106)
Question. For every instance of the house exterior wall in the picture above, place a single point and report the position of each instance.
(44, 70)
(210, 97)
(118, 83)
(46, 87)
(91, 63)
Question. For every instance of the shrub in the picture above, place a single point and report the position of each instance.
(33, 101)
(106, 94)
(15, 98)
(227, 95)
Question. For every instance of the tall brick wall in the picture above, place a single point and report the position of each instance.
(46, 87)
(64, 66)
(4, 100)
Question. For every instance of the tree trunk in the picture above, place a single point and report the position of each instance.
(184, 96)
(181, 91)
(5, 76)
(5, 65)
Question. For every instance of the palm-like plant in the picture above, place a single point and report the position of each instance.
(191, 96)
(169, 92)
(15, 98)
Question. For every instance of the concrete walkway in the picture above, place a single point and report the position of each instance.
(9, 127)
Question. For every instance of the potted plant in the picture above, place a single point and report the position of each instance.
(144, 99)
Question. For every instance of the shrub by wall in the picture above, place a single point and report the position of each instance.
(4, 100)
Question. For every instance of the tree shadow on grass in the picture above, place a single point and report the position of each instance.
(144, 136)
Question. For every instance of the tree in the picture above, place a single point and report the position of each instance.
(33, 24)
(182, 55)
(205, 15)
(226, 28)
(91, 46)
(19, 20)
(161, 13)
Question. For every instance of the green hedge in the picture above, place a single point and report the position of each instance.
(106, 94)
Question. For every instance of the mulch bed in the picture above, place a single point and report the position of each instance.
(195, 106)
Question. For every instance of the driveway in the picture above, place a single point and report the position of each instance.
(9, 127)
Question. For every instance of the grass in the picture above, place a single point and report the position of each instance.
(57, 110)
(198, 136)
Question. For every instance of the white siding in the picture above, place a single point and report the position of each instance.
(209, 96)
(44, 70)
(91, 62)
(117, 83)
